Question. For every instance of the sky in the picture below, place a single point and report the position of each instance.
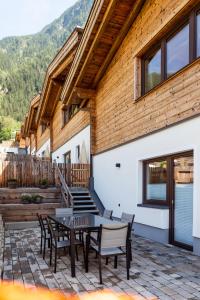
(22, 17)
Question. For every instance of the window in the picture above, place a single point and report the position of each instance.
(67, 157)
(153, 70)
(178, 51)
(43, 128)
(65, 115)
(77, 154)
(155, 181)
(69, 112)
(73, 109)
(173, 52)
(198, 34)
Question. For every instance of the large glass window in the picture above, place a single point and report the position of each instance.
(153, 70)
(174, 51)
(155, 177)
(198, 35)
(178, 51)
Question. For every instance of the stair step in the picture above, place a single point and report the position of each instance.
(96, 211)
(82, 197)
(82, 201)
(80, 193)
(84, 206)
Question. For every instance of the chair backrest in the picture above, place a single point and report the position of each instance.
(41, 222)
(107, 214)
(127, 218)
(51, 231)
(114, 235)
(64, 212)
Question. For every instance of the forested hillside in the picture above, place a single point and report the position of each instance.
(24, 60)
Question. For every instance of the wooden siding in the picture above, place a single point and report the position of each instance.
(119, 118)
(32, 142)
(61, 135)
(42, 137)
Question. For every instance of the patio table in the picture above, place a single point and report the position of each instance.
(84, 222)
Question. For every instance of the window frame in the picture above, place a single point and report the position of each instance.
(43, 128)
(144, 188)
(78, 153)
(191, 19)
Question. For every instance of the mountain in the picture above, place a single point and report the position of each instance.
(24, 59)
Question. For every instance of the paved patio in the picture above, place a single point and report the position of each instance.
(157, 270)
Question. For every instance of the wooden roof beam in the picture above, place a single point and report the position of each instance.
(129, 21)
(84, 93)
(101, 29)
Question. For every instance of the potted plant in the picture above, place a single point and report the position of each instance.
(36, 199)
(12, 183)
(43, 183)
(26, 198)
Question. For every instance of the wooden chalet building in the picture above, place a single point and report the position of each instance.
(37, 133)
(129, 88)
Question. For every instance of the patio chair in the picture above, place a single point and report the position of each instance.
(94, 233)
(113, 240)
(128, 218)
(57, 244)
(44, 234)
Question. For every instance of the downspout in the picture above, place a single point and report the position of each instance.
(92, 142)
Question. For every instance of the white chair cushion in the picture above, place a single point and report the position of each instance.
(109, 251)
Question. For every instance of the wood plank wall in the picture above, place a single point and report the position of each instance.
(62, 134)
(29, 171)
(42, 138)
(119, 118)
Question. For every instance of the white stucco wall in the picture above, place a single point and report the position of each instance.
(78, 139)
(33, 152)
(28, 150)
(124, 185)
(45, 147)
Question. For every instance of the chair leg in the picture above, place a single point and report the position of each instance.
(41, 239)
(107, 260)
(131, 256)
(55, 261)
(44, 248)
(87, 253)
(51, 255)
(48, 243)
(76, 253)
(83, 253)
(100, 271)
(115, 262)
(127, 264)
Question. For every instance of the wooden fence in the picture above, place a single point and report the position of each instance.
(76, 175)
(29, 171)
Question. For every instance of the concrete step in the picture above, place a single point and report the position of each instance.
(82, 197)
(80, 193)
(76, 202)
(81, 207)
(92, 211)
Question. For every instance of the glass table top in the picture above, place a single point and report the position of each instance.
(82, 221)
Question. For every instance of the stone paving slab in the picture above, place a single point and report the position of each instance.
(157, 270)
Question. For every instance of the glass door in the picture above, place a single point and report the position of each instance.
(182, 200)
